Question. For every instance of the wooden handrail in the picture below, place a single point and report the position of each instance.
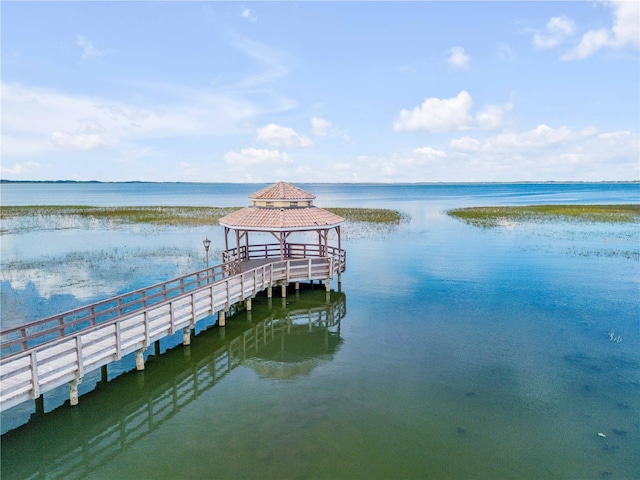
(114, 309)
(95, 314)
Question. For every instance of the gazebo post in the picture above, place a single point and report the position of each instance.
(339, 250)
(226, 245)
(238, 244)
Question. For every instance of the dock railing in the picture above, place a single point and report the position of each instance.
(101, 439)
(39, 356)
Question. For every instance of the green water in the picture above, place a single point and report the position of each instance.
(447, 352)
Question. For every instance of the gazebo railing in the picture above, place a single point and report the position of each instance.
(291, 250)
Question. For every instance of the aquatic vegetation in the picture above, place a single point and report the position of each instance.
(371, 215)
(158, 215)
(488, 217)
(29, 285)
(21, 219)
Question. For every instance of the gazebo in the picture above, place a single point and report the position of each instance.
(281, 209)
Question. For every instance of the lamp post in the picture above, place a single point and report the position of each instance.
(206, 242)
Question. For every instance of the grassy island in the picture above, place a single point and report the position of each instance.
(488, 217)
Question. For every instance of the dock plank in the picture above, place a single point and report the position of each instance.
(142, 320)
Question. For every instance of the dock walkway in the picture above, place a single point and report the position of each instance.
(102, 432)
(42, 355)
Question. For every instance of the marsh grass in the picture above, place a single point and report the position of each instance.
(371, 215)
(488, 217)
(175, 216)
(29, 286)
(20, 219)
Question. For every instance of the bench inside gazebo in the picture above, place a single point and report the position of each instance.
(283, 212)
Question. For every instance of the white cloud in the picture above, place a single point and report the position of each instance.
(20, 169)
(279, 136)
(558, 29)
(190, 169)
(505, 52)
(437, 114)
(81, 141)
(420, 164)
(622, 33)
(450, 114)
(24, 146)
(546, 153)
(88, 50)
(626, 24)
(426, 154)
(255, 156)
(246, 13)
(271, 60)
(258, 165)
(490, 117)
(320, 127)
(591, 42)
(48, 119)
(540, 137)
(458, 60)
(540, 154)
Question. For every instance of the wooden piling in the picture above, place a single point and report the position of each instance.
(39, 405)
(186, 336)
(73, 391)
(140, 359)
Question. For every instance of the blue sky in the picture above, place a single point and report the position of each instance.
(321, 91)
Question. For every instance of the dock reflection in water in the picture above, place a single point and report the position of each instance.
(283, 339)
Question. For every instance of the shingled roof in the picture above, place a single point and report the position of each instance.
(282, 191)
(266, 218)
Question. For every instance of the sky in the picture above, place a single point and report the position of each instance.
(393, 92)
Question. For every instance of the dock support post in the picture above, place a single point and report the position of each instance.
(284, 291)
(140, 359)
(269, 291)
(39, 405)
(297, 286)
(104, 374)
(248, 304)
(156, 348)
(73, 391)
(327, 285)
(186, 336)
(222, 318)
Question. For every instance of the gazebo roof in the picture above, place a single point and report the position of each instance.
(281, 191)
(281, 218)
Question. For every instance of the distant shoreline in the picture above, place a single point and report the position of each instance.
(548, 182)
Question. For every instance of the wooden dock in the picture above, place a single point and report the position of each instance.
(42, 355)
(103, 432)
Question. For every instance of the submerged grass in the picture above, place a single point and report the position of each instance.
(185, 216)
(171, 216)
(487, 217)
(371, 215)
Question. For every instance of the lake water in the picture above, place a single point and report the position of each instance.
(448, 351)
